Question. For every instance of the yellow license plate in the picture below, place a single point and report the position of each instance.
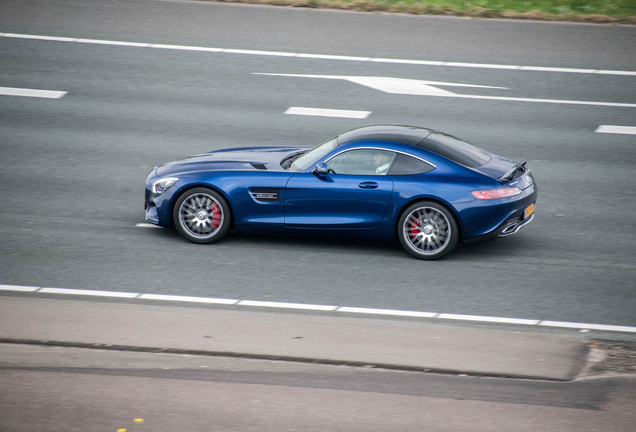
(529, 211)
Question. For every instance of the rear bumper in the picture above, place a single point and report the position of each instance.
(506, 229)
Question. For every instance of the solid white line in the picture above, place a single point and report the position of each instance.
(147, 225)
(47, 94)
(18, 288)
(187, 299)
(323, 56)
(588, 326)
(88, 292)
(185, 48)
(324, 112)
(287, 305)
(387, 312)
(628, 130)
(115, 43)
(488, 319)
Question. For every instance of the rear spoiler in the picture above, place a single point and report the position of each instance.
(510, 175)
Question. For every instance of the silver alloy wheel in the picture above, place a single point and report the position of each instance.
(426, 230)
(201, 215)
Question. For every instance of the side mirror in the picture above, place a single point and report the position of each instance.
(321, 169)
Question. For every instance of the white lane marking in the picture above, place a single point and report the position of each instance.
(628, 130)
(323, 56)
(188, 299)
(386, 312)
(18, 288)
(324, 112)
(185, 48)
(147, 225)
(47, 94)
(425, 88)
(393, 85)
(287, 305)
(88, 292)
(588, 326)
(344, 309)
(488, 319)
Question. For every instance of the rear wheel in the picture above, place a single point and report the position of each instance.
(428, 230)
(201, 215)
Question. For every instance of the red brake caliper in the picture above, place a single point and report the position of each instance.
(414, 227)
(216, 216)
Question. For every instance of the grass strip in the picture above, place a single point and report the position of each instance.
(588, 11)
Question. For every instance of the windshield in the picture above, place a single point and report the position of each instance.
(313, 156)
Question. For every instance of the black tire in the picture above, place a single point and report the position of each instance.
(428, 230)
(201, 215)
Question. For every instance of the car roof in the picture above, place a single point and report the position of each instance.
(409, 135)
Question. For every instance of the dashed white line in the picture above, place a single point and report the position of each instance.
(321, 56)
(304, 306)
(324, 112)
(88, 292)
(25, 92)
(627, 130)
(188, 299)
(286, 305)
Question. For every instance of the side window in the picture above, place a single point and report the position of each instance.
(407, 165)
(362, 162)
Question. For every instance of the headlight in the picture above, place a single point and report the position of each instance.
(161, 185)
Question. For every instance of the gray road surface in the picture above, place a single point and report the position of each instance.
(73, 169)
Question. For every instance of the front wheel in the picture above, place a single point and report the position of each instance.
(201, 215)
(428, 230)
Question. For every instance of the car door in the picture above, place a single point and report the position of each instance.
(355, 192)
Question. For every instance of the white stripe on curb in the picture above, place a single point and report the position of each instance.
(387, 312)
(147, 225)
(588, 326)
(321, 56)
(89, 292)
(18, 288)
(187, 299)
(343, 309)
(286, 305)
(488, 319)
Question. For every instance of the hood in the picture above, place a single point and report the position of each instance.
(245, 158)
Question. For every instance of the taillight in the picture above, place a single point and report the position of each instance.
(497, 193)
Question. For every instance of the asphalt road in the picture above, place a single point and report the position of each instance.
(73, 169)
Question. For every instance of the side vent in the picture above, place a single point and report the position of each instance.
(258, 166)
(265, 194)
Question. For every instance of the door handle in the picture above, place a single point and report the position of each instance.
(368, 185)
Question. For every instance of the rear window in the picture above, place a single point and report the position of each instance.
(407, 165)
(455, 149)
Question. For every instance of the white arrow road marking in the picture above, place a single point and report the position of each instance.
(394, 85)
(323, 112)
(425, 88)
(48, 94)
(628, 130)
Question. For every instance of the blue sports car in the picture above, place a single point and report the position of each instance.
(428, 189)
